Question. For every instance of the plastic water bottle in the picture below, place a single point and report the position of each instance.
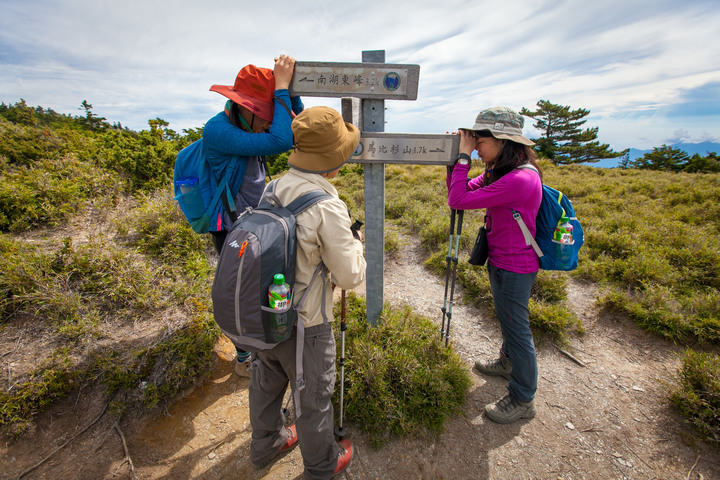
(563, 237)
(564, 231)
(279, 299)
(191, 196)
(279, 293)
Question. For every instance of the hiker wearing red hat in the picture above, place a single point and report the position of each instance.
(255, 123)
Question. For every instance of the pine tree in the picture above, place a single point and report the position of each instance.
(663, 158)
(564, 141)
(92, 121)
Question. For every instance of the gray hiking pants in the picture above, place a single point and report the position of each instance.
(271, 372)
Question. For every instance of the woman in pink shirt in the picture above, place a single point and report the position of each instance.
(512, 265)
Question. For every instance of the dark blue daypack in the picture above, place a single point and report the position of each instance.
(553, 255)
(199, 193)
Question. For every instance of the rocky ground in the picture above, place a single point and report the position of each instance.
(602, 413)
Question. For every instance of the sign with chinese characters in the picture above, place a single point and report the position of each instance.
(412, 148)
(360, 80)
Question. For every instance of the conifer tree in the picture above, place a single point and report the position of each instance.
(91, 120)
(663, 158)
(563, 139)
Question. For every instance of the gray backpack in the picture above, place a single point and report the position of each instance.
(260, 244)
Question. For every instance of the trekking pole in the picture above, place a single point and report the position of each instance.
(454, 273)
(448, 259)
(340, 430)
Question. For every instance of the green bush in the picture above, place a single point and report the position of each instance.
(80, 295)
(697, 393)
(179, 361)
(26, 144)
(145, 159)
(51, 381)
(400, 379)
(277, 164)
(158, 228)
(50, 191)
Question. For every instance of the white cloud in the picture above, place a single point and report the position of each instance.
(630, 62)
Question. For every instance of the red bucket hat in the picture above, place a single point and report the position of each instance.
(254, 89)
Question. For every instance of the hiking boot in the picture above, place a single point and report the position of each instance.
(290, 442)
(242, 369)
(500, 367)
(344, 456)
(508, 410)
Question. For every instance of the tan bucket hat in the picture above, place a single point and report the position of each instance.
(323, 140)
(503, 123)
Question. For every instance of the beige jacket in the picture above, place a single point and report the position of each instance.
(323, 234)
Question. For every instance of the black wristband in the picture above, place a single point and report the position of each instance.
(462, 155)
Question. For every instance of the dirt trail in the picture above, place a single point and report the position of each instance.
(606, 419)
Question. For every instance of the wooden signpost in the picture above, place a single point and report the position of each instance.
(373, 81)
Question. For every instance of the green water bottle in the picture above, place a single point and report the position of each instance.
(279, 299)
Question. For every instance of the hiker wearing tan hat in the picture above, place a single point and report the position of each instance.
(323, 143)
(254, 123)
(511, 182)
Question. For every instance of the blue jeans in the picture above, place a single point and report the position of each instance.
(511, 294)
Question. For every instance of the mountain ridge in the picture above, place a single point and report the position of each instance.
(702, 148)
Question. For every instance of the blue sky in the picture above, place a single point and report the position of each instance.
(648, 71)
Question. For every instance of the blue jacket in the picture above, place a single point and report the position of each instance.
(225, 143)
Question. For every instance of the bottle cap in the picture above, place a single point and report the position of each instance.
(279, 279)
(564, 219)
(186, 182)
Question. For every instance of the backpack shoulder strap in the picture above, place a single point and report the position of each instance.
(297, 206)
(268, 197)
(223, 191)
(306, 200)
(527, 166)
(529, 240)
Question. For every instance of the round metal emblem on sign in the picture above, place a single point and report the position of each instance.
(359, 150)
(391, 81)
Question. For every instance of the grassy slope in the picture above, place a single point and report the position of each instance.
(128, 307)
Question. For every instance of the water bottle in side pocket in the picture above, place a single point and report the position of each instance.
(191, 196)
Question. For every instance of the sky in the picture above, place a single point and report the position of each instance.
(648, 71)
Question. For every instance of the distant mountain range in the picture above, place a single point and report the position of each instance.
(691, 148)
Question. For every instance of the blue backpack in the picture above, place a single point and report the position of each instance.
(199, 193)
(553, 254)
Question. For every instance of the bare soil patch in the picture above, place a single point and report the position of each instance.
(606, 418)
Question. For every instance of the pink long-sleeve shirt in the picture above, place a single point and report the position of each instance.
(519, 190)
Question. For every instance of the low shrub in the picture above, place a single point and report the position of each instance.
(400, 378)
(697, 393)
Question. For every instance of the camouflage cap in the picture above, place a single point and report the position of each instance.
(503, 123)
